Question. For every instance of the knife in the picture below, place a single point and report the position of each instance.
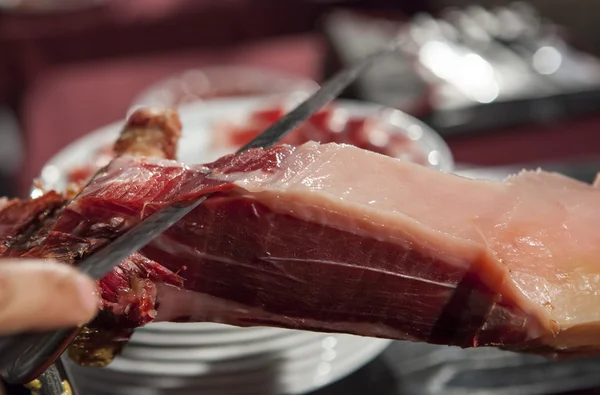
(25, 357)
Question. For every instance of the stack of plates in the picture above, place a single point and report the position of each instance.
(215, 359)
(211, 359)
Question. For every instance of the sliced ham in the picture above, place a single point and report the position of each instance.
(334, 238)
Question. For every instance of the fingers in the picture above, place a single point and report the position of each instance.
(43, 295)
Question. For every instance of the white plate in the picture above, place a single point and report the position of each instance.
(174, 358)
(294, 377)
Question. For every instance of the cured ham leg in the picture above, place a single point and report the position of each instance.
(333, 238)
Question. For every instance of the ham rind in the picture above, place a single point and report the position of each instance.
(333, 238)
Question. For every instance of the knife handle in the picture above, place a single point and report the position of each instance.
(24, 357)
(54, 381)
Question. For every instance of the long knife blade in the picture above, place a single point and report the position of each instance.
(36, 352)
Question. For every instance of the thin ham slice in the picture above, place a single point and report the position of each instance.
(332, 238)
(335, 238)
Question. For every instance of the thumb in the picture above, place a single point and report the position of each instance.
(43, 295)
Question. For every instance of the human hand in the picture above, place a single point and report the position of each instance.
(42, 295)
